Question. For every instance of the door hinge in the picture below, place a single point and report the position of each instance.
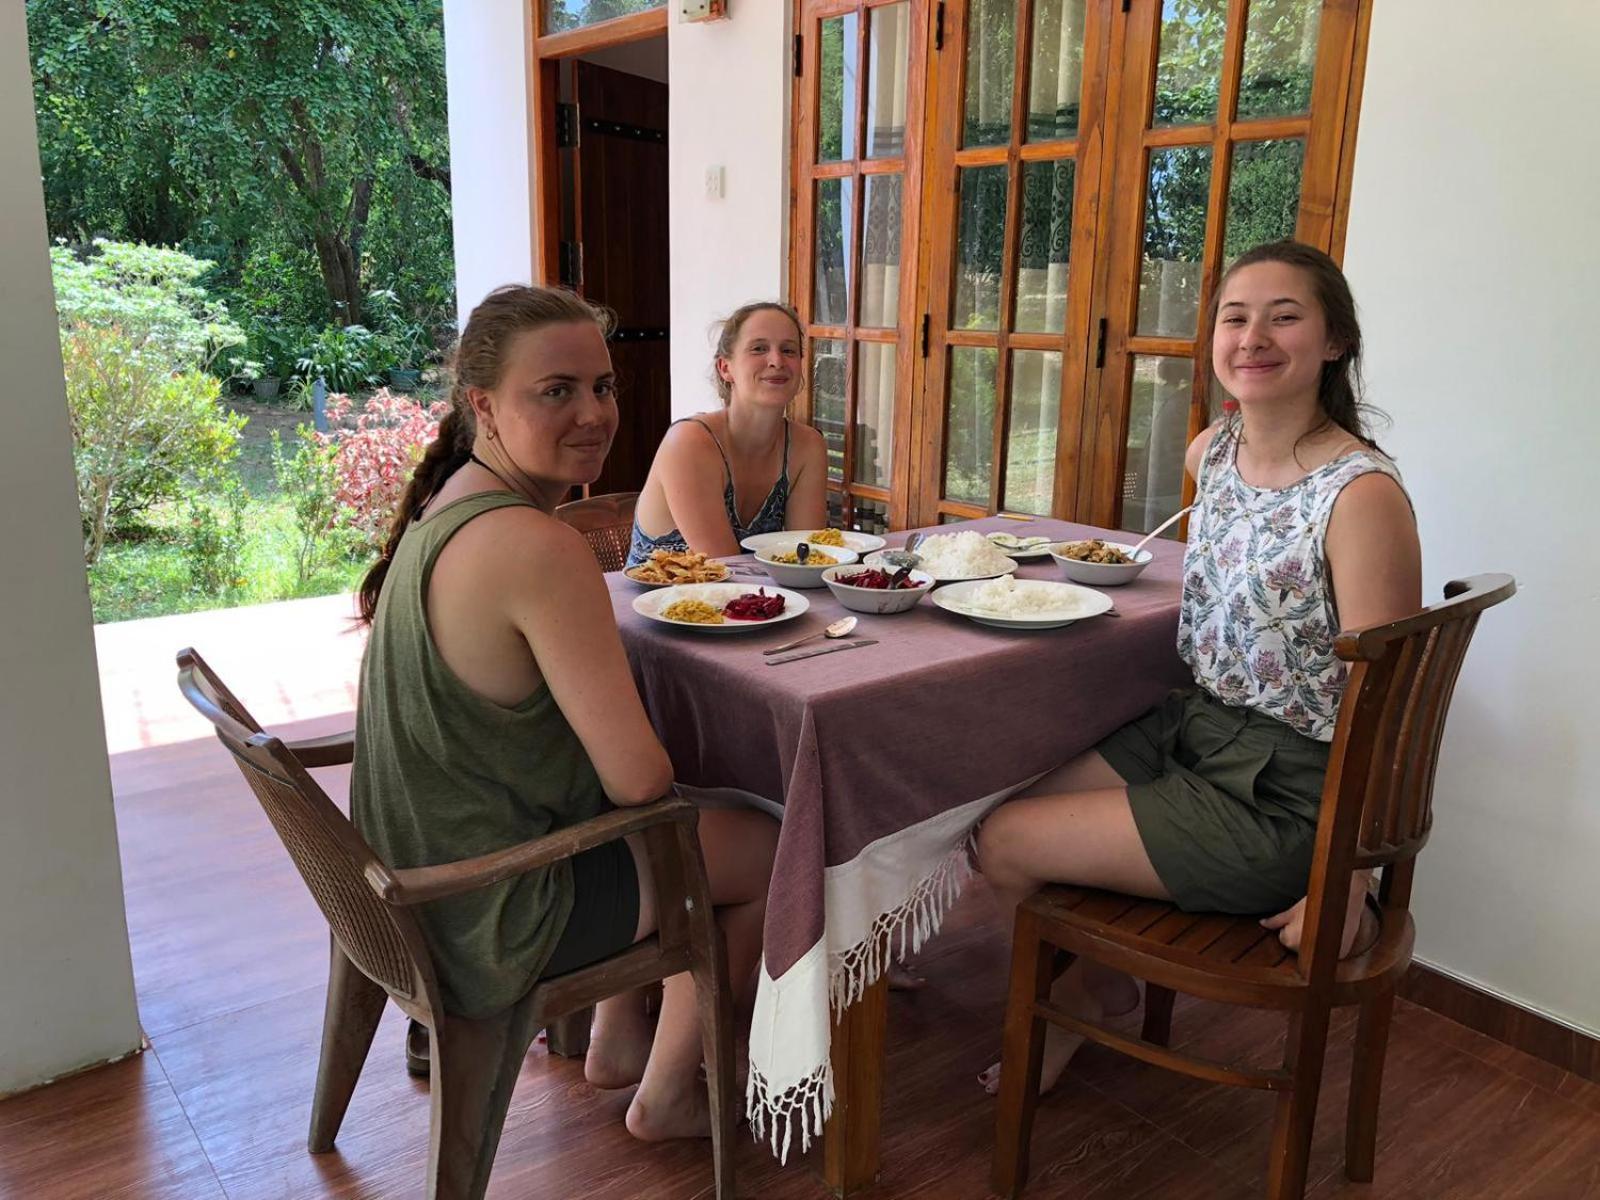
(799, 55)
(938, 26)
(571, 264)
(1126, 4)
(566, 126)
(927, 325)
(1100, 346)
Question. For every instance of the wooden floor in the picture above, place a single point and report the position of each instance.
(229, 955)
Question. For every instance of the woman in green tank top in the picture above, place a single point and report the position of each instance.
(497, 705)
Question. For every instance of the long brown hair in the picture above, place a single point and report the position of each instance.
(728, 337)
(479, 362)
(1339, 390)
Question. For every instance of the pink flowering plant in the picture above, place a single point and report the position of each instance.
(377, 449)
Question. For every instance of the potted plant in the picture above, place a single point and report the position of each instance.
(254, 377)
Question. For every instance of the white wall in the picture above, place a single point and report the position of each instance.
(66, 983)
(1473, 256)
(491, 194)
(729, 84)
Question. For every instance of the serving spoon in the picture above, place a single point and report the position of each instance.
(904, 558)
(843, 627)
(1161, 528)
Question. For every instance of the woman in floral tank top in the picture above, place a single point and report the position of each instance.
(1301, 529)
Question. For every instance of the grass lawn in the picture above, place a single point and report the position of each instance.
(151, 576)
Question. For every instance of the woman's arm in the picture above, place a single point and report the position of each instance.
(556, 598)
(1374, 557)
(808, 479)
(1375, 560)
(694, 481)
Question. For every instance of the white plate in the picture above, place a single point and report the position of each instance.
(1076, 603)
(788, 539)
(727, 573)
(876, 560)
(1042, 550)
(649, 604)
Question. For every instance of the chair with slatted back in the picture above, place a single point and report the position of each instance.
(1377, 809)
(606, 523)
(378, 949)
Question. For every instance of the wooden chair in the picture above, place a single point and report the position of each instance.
(378, 948)
(606, 523)
(1376, 812)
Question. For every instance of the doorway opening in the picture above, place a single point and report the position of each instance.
(604, 226)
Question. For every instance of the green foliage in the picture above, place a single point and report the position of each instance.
(140, 431)
(301, 126)
(309, 480)
(151, 295)
(214, 542)
(347, 359)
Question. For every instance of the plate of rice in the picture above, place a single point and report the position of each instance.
(704, 607)
(954, 557)
(1008, 603)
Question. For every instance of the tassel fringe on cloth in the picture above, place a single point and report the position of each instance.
(887, 901)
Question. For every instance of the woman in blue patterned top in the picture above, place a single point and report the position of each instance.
(1301, 528)
(721, 476)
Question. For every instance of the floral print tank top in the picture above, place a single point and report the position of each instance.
(1258, 619)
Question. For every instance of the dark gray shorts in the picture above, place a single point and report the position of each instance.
(605, 908)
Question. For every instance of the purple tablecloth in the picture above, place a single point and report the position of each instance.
(880, 758)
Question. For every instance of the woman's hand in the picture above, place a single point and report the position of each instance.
(1288, 923)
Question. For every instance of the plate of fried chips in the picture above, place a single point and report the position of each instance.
(669, 568)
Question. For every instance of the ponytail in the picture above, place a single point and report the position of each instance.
(445, 455)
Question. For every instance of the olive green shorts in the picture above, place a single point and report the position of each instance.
(1226, 801)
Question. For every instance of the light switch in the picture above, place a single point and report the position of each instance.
(714, 183)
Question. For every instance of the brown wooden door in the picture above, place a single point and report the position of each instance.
(615, 197)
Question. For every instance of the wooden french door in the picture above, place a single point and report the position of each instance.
(1080, 172)
(860, 67)
(1235, 126)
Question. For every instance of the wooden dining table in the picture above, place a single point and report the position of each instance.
(881, 761)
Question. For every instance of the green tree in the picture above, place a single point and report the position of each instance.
(190, 119)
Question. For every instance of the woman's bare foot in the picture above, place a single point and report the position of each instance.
(902, 979)
(660, 1118)
(1059, 1045)
(620, 1044)
(1117, 992)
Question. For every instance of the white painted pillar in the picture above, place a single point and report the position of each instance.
(66, 980)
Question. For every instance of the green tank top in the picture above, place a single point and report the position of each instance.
(441, 773)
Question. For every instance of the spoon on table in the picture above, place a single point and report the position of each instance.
(903, 557)
(843, 627)
(1134, 553)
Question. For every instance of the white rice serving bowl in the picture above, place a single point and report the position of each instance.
(953, 556)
